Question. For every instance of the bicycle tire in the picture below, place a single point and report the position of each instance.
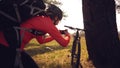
(75, 55)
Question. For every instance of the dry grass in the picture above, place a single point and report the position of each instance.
(52, 55)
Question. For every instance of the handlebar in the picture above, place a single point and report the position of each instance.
(72, 28)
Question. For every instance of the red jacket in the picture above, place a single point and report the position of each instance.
(44, 24)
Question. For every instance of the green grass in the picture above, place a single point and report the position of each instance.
(57, 56)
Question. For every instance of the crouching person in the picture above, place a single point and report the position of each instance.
(35, 27)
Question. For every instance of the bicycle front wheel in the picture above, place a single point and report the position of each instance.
(75, 55)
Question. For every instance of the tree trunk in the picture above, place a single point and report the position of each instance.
(101, 33)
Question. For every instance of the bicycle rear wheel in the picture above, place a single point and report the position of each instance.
(75, 55)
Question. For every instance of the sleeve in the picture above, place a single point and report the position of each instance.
(43, 39)
(54, 35)
(54, 32)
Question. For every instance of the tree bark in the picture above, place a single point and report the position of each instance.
(101, 33)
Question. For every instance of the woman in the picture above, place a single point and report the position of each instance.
(45, 23)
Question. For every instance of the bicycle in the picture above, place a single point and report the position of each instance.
(76, 48)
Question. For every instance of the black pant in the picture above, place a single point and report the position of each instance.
(7, 58)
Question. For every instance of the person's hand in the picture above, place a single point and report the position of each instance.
(64, 31)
